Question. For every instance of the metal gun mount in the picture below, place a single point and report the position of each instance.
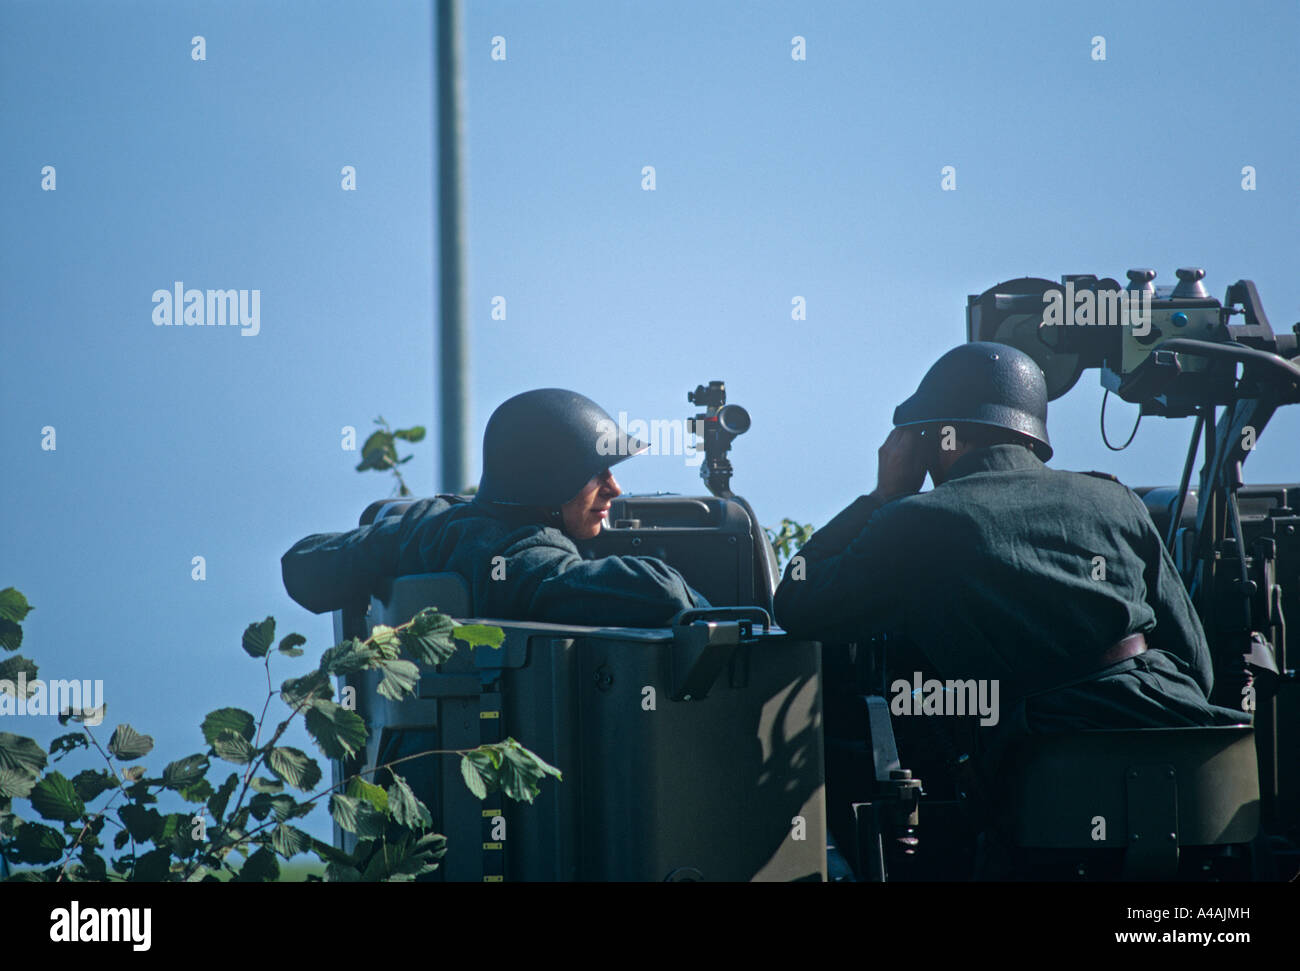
(717, 426)
(1174, 350)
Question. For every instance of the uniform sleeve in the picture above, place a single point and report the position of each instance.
(546, 580)
(1178, 629)
(845, 576)
(328, 571)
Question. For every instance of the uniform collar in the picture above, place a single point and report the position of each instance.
(995, 458)
(516, 514)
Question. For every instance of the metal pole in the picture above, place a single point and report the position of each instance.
(453, 345)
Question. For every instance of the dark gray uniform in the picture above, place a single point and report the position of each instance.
(991, 575)
(540, 574)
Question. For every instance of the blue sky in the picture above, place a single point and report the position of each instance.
(775, 178)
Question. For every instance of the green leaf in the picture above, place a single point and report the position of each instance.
(34, 843)
(30, 876)
(348, 658)
(307, 690)
(328, 853)
(405, 857)
(168, 827)
(21, 754)
(140, 821)
(217, 804)
(339, 733)
(434, 843)
(289, 841)
(54, 797)
(405, 806)
(91, 782)
(356, 816)
(423, 854)
(178, 835)
(11, 668)
(469, 770)
(263, 804)
(341, 873)
(378, 452)
(385, 640)
(261, 867)
(268, 786)
(134, 774)
(228, 719)
(373, 794)
(127, 743)
(90, 832)
(427, 637)
(258, 637)
(15, 784)
(291, 645)
(522, 771)
(95, 868)
(13, 605)
(476, 634)
(413, 434)
(91, 716)
(294, 767)
(233, 747)
(185, 772)
(234, 828)
(11, 635)
(379, 459)
(198, 791)
(374, 460)
(152, 867)
(64, 744)
(400, 679)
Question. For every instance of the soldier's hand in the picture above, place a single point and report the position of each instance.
(901, 465)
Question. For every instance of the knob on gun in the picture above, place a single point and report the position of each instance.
(1189, 283)
(1141, 280)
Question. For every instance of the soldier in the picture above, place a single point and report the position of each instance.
(546, 482)
(1055, 585)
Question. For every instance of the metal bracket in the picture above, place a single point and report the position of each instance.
(1151, 793)
(884, 750)
(699, 653)
(869, 851)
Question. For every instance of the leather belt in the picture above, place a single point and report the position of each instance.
(1122, 650)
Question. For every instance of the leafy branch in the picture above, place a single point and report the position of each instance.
(788, 540)
(380, 451)
(391, 824)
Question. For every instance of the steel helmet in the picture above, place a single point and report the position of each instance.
(541, 447)
(983, 383)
